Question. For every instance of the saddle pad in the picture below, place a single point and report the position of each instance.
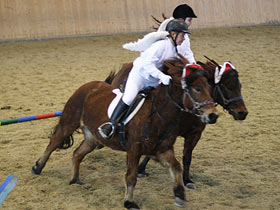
(115, 101)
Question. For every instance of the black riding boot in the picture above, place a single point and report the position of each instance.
(107, 129)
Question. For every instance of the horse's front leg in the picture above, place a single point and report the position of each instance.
(132, 161)
(168, 160)
(85, 147)
(190, 142)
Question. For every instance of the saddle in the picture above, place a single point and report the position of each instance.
(131, 112)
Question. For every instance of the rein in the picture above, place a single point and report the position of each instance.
(173, 126)
(196, 108)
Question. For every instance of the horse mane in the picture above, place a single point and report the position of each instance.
(178, 62)
(208, 65)
(110, 77)
(158, 22)
(172, 63)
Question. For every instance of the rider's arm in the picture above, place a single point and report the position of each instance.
(185, 49)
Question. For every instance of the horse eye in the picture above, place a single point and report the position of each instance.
(197, 89)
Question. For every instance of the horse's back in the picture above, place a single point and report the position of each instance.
(96, 104)
(73, 108)
(122, 75)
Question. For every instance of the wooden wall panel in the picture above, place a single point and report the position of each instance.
(35, 19)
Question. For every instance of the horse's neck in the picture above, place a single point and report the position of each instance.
(167, 98)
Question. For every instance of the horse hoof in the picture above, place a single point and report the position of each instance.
(142, 174)
(76, 181)
(191, 186)
(179, 202)
(130, 205)
(35, 170)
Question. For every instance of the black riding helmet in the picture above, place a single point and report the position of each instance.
(178, 26)
(183, 11)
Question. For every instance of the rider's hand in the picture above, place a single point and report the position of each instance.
(164, 79)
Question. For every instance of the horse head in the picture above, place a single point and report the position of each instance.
(226, 88)
(192, 81)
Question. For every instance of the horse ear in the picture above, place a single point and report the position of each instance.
(184, 60)
(200, 63)
(212, 61)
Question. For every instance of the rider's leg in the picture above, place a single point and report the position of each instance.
(133, 85)
(107, 130)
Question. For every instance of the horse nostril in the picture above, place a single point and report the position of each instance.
(242, 115)
(213, 118)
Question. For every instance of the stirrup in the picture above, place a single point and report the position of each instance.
(101, 132)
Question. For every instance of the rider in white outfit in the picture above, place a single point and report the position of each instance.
(145, 71)
(186, 13)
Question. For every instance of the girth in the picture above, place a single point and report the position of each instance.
(121, 127)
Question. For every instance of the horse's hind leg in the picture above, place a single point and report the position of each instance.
(168, 160)
(61, 133)
(142, 167)
(85, 147)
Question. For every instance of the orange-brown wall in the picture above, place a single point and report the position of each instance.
(35, 19)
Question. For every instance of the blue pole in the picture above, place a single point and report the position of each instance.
(7, 186)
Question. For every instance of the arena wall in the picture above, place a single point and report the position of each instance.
(39, 19)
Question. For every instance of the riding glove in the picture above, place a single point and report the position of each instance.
(164, 79)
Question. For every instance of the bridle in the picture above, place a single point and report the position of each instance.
(225, 101)
(217, 86)
(188, 93)
(196, 105)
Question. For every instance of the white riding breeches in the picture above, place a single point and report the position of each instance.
(134, 84)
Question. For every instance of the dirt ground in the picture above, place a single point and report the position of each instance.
(236, 165)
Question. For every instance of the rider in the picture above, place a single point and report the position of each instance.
(145, 71)
(186, 13)
(182, 12)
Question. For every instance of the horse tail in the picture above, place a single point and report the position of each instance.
(111, 77)
(67, 142)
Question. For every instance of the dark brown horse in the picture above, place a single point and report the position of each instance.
(227, 93)
(163, 107)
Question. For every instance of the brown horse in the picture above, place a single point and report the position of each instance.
(227, 93)
(163, 107)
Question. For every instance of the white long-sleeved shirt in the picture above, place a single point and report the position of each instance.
(148, 63)
(185, 49)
